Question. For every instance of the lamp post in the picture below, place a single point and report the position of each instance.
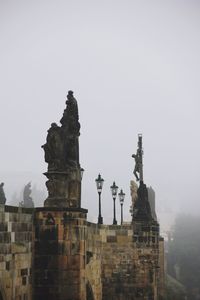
(114, 189)
(99, 183)
(121, 200)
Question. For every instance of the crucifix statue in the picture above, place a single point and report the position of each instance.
(138, 170)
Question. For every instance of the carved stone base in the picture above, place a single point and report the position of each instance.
(64, 189)
(141, 209)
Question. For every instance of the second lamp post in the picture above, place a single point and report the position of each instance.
(99, 183)
(121, 200)
(114, 189)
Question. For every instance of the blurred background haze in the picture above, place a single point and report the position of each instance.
(134, 67)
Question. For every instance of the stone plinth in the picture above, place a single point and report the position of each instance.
(64, 189)
(59, 254)
(146, 239)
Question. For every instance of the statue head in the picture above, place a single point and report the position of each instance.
(2, 184)
(54, 125)
(70, 96)
(70, 93)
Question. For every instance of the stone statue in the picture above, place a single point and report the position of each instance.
(62, 156)
(2, 194)
(70, 116)
(71, 131)
(28, 202)
(54, 148)
(61, 148)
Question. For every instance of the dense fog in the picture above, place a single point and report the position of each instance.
(134, 67)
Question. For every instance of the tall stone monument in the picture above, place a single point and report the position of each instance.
(145, 232)
(62, 156)
(59, 237)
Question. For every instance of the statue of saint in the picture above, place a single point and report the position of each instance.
(53, 148)
(2, 194)
(70, 119)
(70, 131)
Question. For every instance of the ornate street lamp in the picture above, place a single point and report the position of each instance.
(121, 200)
(114, 189)
(99, 183)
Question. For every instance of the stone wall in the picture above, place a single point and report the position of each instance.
(118, 263)
(73, 259)
(123, 262)
(94, 240)
(15, 253)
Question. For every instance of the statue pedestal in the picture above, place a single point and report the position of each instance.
(141, 209)
(64, 189)
(59, 253)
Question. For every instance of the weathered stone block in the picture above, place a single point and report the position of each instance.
(111, 239)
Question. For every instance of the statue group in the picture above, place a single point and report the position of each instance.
(62, 156)
(61, 148)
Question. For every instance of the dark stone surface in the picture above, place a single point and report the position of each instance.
(142, 210)
(15, 209)
(64, 209)
(151, 197)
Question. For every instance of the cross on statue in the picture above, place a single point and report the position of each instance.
(138, 170)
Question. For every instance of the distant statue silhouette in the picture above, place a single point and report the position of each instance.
(28, 201)
(2, 194)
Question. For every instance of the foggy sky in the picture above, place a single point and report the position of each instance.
(134, 67)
